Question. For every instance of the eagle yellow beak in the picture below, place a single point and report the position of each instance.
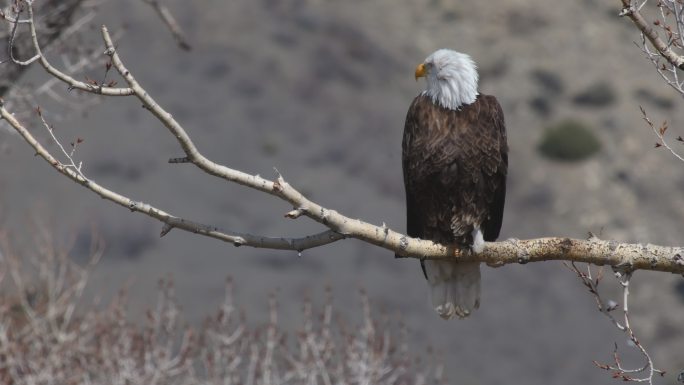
(421, 71)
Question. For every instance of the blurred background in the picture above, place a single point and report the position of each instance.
(319, 89)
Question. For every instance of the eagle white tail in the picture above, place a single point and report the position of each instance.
(454, 287)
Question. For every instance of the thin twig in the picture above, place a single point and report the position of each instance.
(171, 23)
(623, 274)
(633, 12)
(338, 226)
(660, 133)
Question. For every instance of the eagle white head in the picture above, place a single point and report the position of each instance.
(451, 78)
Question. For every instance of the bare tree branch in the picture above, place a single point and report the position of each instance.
(660, 134)
(58, 15)
(632, 256)
(73, 83)
(171, 23)
(73, 171)
(631, 10)
(606, 308)
(666, 55)
(593, 250)
(623, 257)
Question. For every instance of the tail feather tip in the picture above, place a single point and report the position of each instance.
(448, 311)
(454, 287)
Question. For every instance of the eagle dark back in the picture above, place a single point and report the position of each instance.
(455, 164)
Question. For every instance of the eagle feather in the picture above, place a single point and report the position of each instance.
(455, 160)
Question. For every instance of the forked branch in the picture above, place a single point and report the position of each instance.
(644, 373)
(338, 226)
(633, 10)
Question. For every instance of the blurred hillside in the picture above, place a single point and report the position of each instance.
(319, 89)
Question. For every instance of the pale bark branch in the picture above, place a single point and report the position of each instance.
(599, 252)
(647, 371)
(56, 20)
(238, 239)
(622, 256)
(72, 82)
(664, 53)
(633, 12)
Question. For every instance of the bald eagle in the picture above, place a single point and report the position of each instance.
(455, 159)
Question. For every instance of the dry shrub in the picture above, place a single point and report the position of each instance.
(46, 337)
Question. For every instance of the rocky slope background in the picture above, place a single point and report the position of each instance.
(319, 90)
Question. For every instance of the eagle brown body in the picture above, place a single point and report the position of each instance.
(455, 163)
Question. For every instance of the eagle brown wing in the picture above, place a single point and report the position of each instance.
(455, 164)
(497, 174)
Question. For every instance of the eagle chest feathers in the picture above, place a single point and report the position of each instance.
(454, 165)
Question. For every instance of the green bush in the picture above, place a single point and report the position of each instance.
(569, 141)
